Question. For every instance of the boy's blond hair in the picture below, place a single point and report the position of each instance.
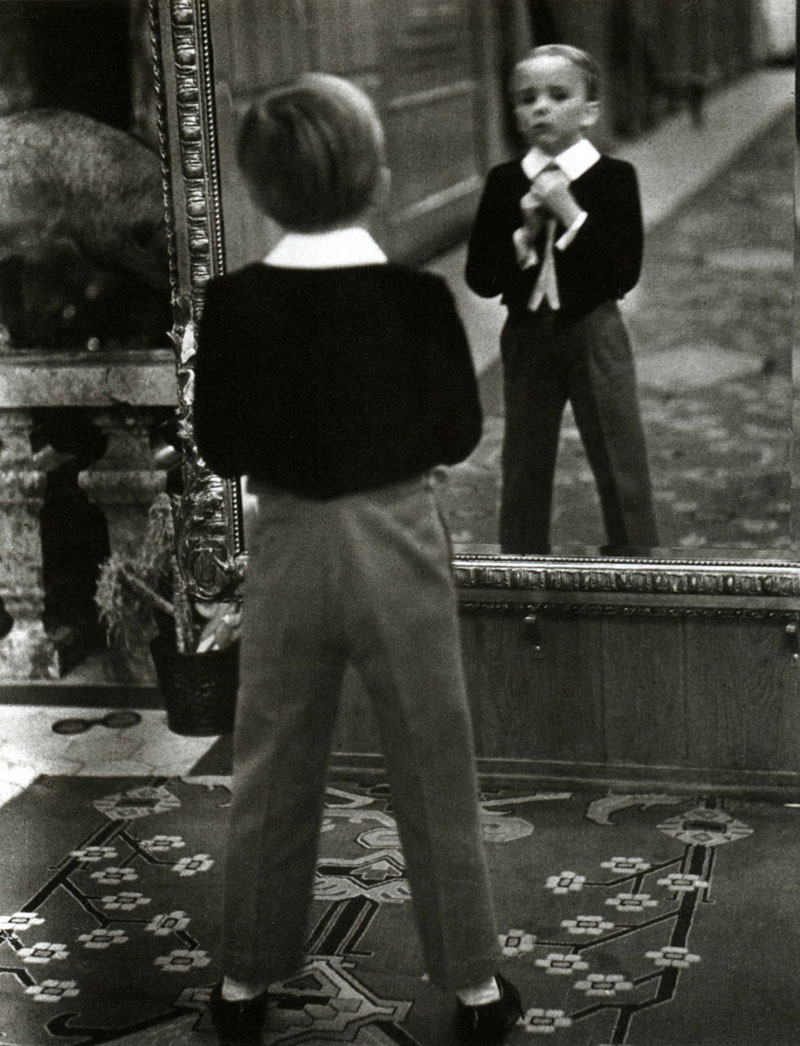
(583, 61)
(311, 152)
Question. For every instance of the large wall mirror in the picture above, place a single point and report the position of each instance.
(715, 369)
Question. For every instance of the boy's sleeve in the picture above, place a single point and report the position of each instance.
(609, 245)
(491, 254)
(217, 413)
(455, 406)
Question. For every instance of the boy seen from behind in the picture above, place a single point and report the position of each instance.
(336, 380)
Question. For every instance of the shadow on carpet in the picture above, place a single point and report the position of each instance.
(644, 920)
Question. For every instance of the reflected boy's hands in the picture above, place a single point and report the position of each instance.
(552, 192)
(532, 216)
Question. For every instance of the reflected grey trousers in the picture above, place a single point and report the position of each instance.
(364, 578)
(548, 361)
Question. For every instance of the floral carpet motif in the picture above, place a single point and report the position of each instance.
(636, 920)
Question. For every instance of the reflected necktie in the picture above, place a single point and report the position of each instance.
(546, 288)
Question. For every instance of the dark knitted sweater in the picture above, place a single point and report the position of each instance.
(326, 382)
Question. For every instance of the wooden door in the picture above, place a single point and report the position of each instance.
(433, 70)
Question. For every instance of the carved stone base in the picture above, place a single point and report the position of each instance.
(127, 391)
(28, 652)
(123, 482)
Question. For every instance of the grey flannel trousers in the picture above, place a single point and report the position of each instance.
(366, 579)
(549, 360)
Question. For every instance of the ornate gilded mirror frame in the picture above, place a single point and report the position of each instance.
(211, 548)
(210, 530)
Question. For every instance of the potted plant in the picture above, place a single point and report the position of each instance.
(142, 599)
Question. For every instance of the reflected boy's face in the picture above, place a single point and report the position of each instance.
(550, 103)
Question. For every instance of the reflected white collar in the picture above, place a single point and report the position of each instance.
(337, 248)
(574, 161)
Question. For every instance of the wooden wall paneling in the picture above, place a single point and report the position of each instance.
(420, 63)
(742, 690)
(331, 51)
(241, 50)
(257, 45)
(786, 753)
(283, 40)
(643, 668)
(728, 26)
(670, 43)
(535, 690)
(428, 162)
(585, 24)
(670, 700)
(500, 36)
(428, 106)
(296, 52)
(233, 49)
(224, 21)
(347, 35)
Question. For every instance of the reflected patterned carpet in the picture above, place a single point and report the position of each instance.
(711, 324)
(719, 460)
(644, 920)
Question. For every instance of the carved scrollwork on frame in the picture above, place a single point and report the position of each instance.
(208, 518)
(161, 125)
(197, 144)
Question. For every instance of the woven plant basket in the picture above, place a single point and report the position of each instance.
(198, 690)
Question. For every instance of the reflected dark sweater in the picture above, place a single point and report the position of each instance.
(603, 261)
(331, 381)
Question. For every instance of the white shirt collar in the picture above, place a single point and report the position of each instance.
(574, 161)
(334, 249)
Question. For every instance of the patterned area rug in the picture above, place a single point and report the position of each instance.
(644, 920)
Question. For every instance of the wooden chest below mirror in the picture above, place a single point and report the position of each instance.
(634, 692)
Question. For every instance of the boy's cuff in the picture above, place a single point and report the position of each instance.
(566, 238)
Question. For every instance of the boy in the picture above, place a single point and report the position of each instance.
(559, 237)
(336, 381)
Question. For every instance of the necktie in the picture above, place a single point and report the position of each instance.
(546, 288)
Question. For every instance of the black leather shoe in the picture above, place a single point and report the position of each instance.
(492, 1022)
(238, 1023)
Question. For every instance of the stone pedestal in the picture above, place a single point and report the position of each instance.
(123, 483)
(27, 652)
(120, 389)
